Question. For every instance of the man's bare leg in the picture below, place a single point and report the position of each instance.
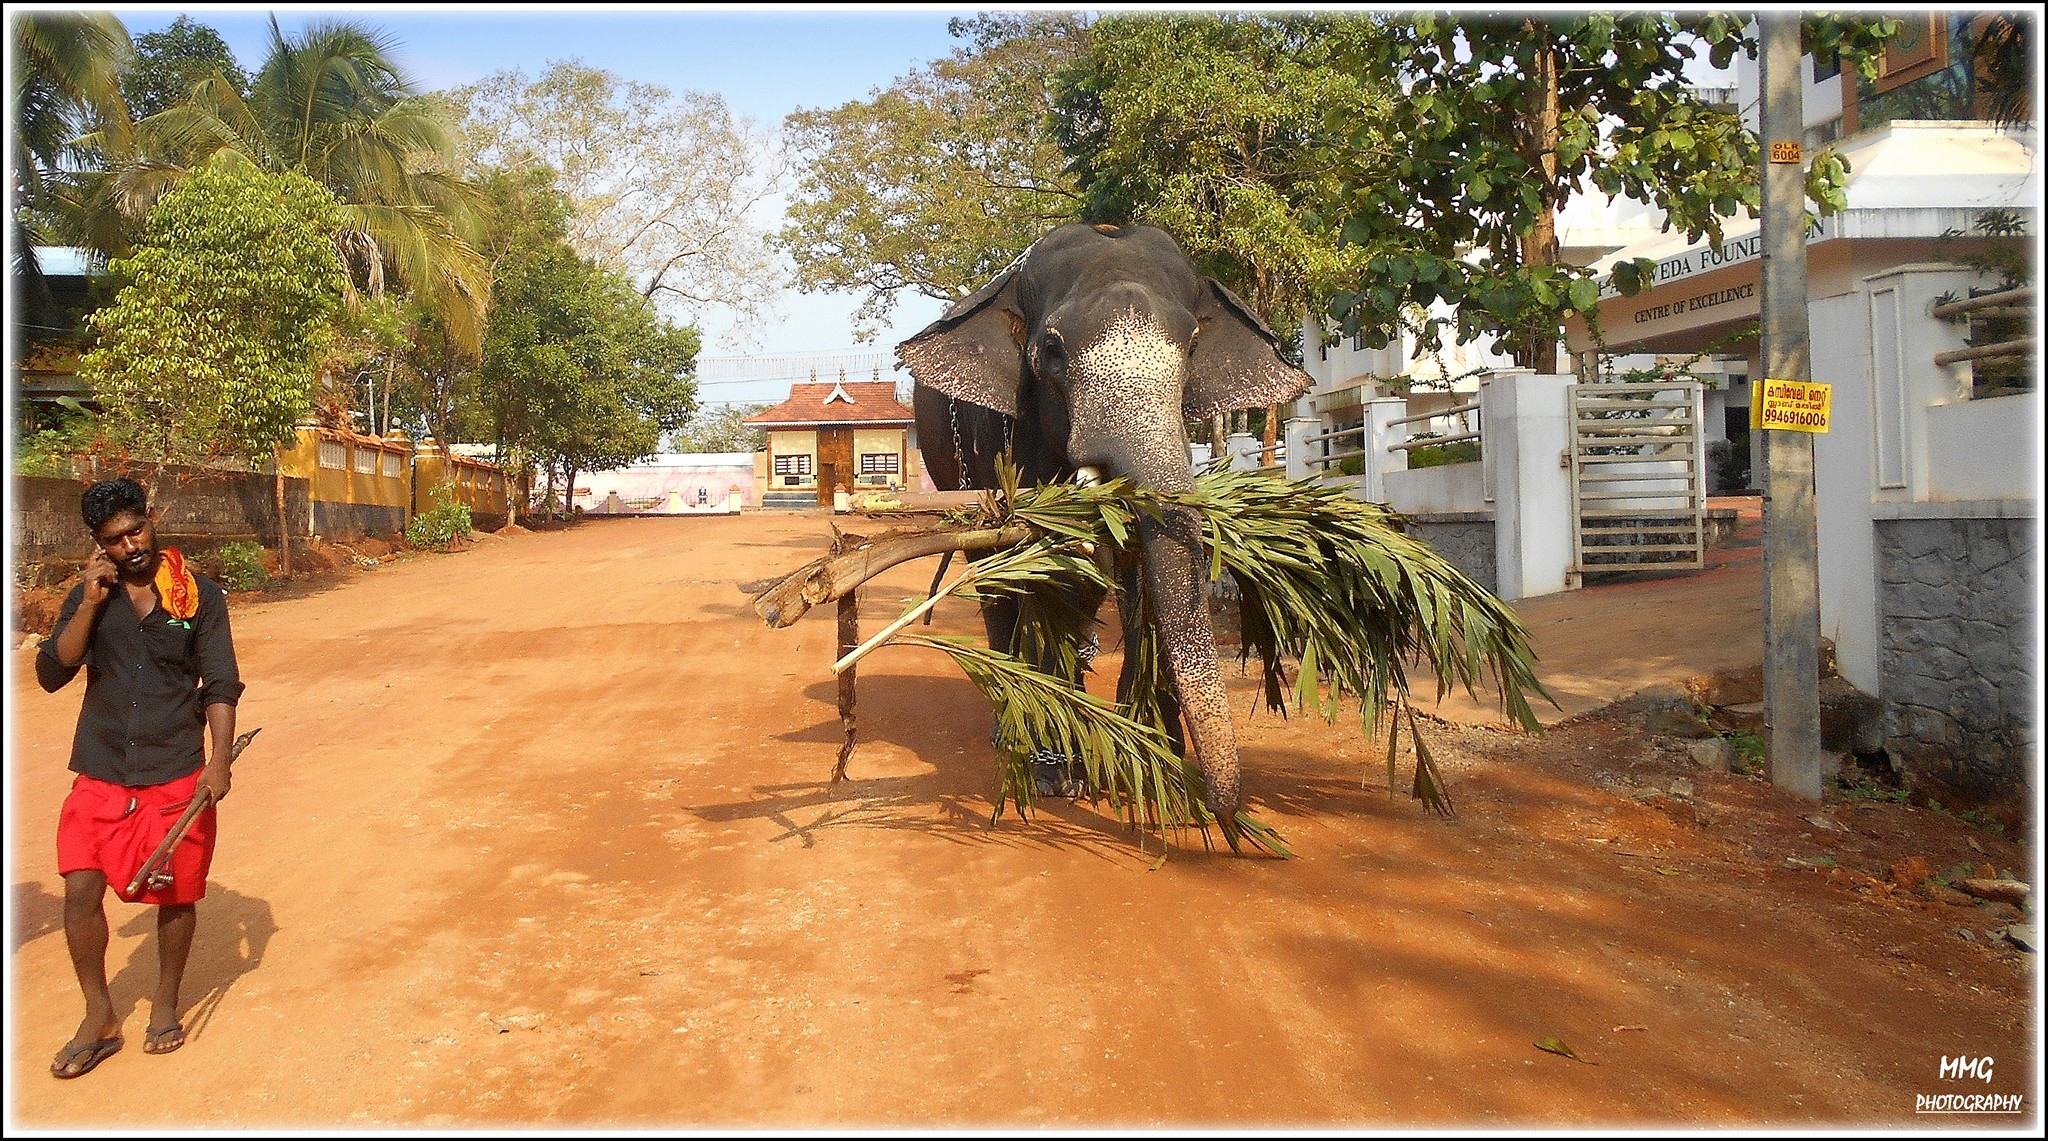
(85, 935)
(175, 923)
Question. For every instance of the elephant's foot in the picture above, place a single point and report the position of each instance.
(1057, 774)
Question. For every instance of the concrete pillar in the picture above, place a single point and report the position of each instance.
(1243, 448)
(1378, 440)
(841, 501)
(1198, 456)
(1527, 438)
(1298, 430)
(429, 468)
(732, 499)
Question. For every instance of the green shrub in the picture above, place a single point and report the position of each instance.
(1749, 752)
(1351, 465)
(241, 566)
(1439, 455)
(435, 529)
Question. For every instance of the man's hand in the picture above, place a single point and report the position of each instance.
(216, 778)
(101, 576)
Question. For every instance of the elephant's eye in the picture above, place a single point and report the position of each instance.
(1052, 355)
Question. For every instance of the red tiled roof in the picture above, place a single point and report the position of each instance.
(873, 402)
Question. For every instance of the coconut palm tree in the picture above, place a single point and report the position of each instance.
(331, 104)
(66, 81)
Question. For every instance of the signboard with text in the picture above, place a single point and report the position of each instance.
(1792, 405)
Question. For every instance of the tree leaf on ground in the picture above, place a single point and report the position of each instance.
(1554, 1046)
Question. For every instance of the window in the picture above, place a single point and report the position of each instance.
(366, 459)
(796, 465)
(1358, 341)
(391, 465)
(878, 463)
(333, 454)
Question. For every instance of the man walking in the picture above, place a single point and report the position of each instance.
(159, 660)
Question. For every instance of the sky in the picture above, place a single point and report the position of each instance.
(766, 62)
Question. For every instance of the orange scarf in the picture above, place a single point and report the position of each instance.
(176, 586)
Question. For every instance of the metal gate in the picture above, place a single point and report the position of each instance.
(1638, 476)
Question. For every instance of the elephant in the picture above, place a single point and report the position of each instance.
(1085, 358)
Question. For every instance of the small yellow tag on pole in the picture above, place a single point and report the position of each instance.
(1794, 405)
(1785, 152)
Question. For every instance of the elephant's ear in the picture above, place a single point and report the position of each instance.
(975, 351)
(1236, 361)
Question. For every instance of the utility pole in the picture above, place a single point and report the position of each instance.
(1791, 540)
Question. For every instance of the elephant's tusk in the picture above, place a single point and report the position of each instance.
(1088, 476)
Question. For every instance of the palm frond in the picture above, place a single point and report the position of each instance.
(1329, 583)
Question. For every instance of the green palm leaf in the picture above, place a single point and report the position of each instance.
(1328, 583)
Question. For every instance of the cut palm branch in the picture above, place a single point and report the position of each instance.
(1330, 583)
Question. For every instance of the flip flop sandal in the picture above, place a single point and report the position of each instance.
(153, 1039)
(85, 1056)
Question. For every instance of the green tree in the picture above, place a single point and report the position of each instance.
(210, 351)
(579, 373)
(661, 186)
(168, 64)
(938, 182)
(1504, 120)
(1237, 134)
(331, 104)
(65, 83)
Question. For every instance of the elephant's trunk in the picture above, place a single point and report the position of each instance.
(1171, 549)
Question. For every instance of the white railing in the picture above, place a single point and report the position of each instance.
(1428, 441)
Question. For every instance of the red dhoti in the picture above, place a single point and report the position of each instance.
(113, 829)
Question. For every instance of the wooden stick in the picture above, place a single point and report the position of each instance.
(829, 579)
(172, 839)
(914, 502)
(849, 637)
(868, 646)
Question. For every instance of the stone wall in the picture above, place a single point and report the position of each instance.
(197, 511)
(1957, 606)
(345, 521)
(1465, 540)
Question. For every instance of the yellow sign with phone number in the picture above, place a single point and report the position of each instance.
(1791, 405)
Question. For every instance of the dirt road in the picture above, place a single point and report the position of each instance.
(538, 833)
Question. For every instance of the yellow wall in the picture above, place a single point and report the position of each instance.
(867, 441)
(338, 481)
(484, 488)
(794, 442)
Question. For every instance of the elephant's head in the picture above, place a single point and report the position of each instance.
(1101, 343)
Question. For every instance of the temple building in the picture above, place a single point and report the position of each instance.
(826, 436)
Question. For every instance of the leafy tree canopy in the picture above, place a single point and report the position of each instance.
(169, 63)
(210, 351)
(329, 102)
(1506, 119)
(578, 371)
(938, 182)
(1238, 135)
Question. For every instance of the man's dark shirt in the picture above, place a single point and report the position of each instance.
(147, 683)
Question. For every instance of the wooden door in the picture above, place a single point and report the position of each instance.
(835, 461)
